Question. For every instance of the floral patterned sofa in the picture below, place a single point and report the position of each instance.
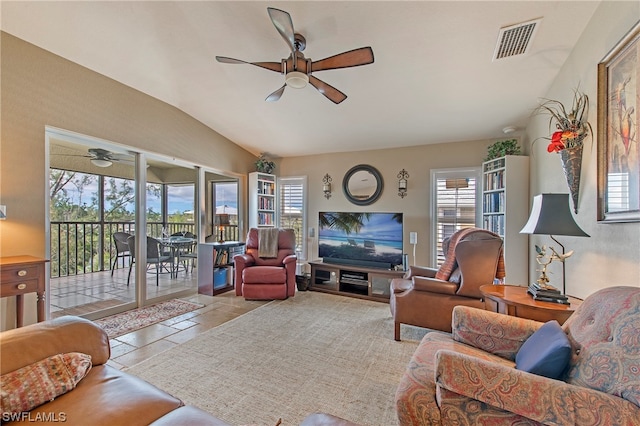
(468, 377)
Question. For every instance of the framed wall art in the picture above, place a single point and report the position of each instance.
(618, 131)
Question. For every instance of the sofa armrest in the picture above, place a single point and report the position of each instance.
(535, 397)
(434, 286)
(26, 345)
(499, 334)
(241, 261)
(292, 258)
(420, 271)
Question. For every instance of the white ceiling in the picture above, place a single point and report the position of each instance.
(433, 79)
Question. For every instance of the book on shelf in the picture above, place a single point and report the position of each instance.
(221, 258)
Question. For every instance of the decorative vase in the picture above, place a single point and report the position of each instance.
(572, 164)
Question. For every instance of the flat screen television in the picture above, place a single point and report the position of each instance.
(362, 239)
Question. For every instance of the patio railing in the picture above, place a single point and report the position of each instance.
(84, 247)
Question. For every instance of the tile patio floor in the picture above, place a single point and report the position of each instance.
(84, 293)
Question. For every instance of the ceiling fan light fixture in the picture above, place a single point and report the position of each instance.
(101, 162)
(297, 79)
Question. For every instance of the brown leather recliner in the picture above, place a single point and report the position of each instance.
(267, 278)
(424, 300)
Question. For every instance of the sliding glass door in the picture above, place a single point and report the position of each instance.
(101, 194)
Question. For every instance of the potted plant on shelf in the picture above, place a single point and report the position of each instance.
(264, 165)
(502, 148)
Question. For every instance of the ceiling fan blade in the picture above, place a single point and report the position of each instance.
(283, 23)
(276, 95)
(352, 58)
(272, 66)
(226, 60)
(333, 94)
(124, 158)
(72, 155)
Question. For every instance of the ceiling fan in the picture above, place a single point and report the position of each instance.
(297, 69)
(103, 158)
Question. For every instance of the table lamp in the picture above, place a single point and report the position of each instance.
(221, 220)
(551, 215)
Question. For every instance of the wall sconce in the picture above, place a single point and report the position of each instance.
(402, 183)
(326, 186)
(3, 212)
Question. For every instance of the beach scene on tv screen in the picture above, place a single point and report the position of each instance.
(370, 237)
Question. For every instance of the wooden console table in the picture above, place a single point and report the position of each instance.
(20, 275)
(514, 300)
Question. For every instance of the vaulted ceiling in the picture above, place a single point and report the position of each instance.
(434, 79)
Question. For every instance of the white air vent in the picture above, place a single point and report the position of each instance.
(516, 39)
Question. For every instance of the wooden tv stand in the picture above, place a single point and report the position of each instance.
(353, 281)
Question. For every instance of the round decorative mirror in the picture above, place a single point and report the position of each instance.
(362, 184)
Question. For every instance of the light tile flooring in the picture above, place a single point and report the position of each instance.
(134, 347)
(82, 294)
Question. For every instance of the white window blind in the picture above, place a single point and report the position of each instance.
(292, 209)
(618, 192)
(455, 201)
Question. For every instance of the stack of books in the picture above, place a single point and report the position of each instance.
(547, 294)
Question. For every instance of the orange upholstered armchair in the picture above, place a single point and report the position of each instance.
(268, 268)
(425, 297)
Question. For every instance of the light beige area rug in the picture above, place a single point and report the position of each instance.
(287, 359)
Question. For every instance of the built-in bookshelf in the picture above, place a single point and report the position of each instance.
(262, 200)
(215, 266)
(505, 209)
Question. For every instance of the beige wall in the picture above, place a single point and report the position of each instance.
(41, 89)
(611, 256)
(417, 161)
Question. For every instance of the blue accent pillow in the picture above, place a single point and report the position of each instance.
(546, 352)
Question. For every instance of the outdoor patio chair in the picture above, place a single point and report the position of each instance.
(154, 257)
(189, 253)
(122, 248)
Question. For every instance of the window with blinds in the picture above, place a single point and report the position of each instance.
(618, 192)
(455, 201)
(292, 208)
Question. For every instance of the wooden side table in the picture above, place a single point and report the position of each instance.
(20, 275)
(514, 300)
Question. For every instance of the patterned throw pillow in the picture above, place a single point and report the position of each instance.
(33, 385)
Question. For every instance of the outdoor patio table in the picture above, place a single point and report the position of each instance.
(176, 244)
